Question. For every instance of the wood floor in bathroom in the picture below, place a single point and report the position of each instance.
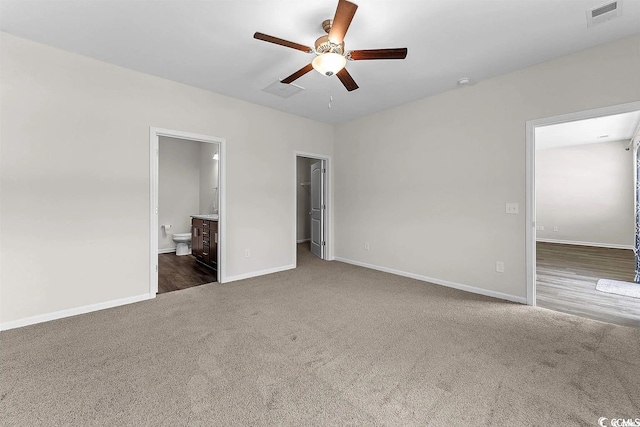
(181, 272)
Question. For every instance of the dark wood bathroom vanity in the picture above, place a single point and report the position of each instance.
(204, 241)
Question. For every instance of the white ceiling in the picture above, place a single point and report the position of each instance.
(617, 127)
(209, 44)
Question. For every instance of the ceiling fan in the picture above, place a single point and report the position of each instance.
(331, 56)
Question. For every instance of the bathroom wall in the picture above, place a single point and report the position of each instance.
(178, 188)
(586, 193)
(303, 201)
(208, 179)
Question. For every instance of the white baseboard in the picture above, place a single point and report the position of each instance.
(303, 240)
(72, 312)
(595, 245)
(166, 250)
(459, 286)
(258, 273)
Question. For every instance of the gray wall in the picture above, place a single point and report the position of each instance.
(586, 191)
(75, 161)
(426, 183)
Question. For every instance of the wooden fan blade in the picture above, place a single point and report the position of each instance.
(341, 21)
(347, 80)
(301, 72)
(282, 42)
(360, 55)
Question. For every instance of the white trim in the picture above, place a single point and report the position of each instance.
(259, 273)
(154, 136)
(72, 312)
(592, 244)
(530, 162)
(303, 240)
(530, 213)
(166, 250)
(447, 283)
(329, 254)
(153, 205)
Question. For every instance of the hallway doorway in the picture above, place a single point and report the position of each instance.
(581, 186)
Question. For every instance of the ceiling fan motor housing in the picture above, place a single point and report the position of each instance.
(324, 45)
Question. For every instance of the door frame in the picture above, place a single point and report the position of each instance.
(154, 144)
(530, 218)
(328, 212)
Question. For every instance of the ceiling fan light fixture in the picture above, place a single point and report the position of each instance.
(331, 56)
(329, 63)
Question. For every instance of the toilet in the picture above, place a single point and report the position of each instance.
(182, 241)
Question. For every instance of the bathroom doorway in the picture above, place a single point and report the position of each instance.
(187, 210)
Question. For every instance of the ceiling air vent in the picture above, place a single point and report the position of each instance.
(283, 90)
(604, 13)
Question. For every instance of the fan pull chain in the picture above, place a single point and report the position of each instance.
(330, 97)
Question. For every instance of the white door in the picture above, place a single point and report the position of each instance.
(317, 209)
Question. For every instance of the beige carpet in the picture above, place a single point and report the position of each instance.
(352, 346)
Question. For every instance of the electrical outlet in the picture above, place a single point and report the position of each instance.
(555, 228)
(500, 266)
(512, 208)
(366, 246)
(247, 253)
(542, 228)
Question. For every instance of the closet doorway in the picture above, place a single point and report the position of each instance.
(311, 206)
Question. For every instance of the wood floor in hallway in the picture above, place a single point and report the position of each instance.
(567, 276)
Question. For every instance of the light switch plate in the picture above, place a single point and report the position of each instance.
(512, 208)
